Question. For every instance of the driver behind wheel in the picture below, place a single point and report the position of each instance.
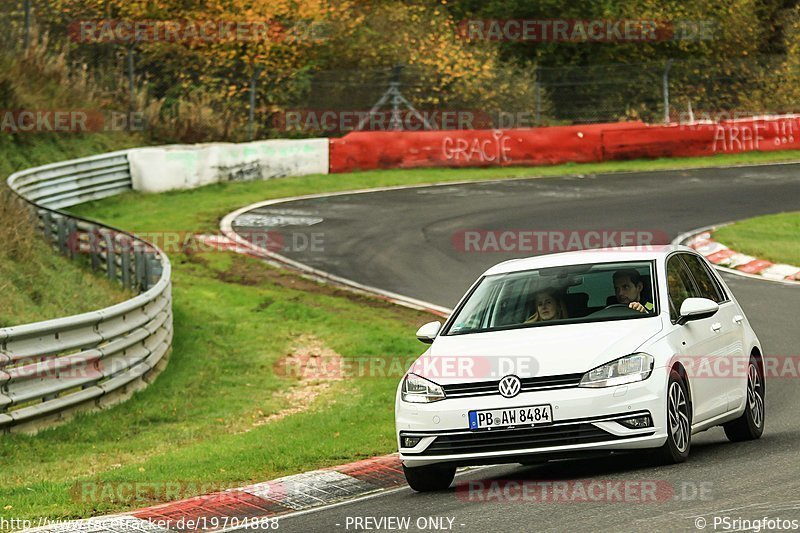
(628, 288)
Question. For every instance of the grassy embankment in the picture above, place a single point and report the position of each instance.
(36, 283)
(772, 237)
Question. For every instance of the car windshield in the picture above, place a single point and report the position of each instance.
(558, 295)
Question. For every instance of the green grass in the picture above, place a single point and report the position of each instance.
(47, 286)
(773, 237)
(234, 318)
(36, 283)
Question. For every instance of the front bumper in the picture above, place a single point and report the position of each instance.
(584, 420)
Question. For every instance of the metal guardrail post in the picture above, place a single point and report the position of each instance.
(146, 273)
(156, 268)
(125, 255)
(62, 235)
(47, 220)
(73, 241)
(665, 89)
(139, 262)
(94, 249)
(111, 263)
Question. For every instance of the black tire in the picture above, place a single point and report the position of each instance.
(679, 422)
(750, 425)
(429, 478)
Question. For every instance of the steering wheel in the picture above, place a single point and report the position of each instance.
(617, 305)
(613, 310)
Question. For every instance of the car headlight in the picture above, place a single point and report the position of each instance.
(417, 389)
(628, 369)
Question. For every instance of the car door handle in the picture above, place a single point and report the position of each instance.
(716, 326)
(738, 319)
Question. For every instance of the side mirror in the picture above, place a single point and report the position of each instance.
(428, 332)
(697, 308)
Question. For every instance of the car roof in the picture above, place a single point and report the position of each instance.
(599, 255)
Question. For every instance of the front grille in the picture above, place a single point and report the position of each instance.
(485, 388)
(518, 439)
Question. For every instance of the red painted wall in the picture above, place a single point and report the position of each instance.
(469, 148)
(559, 144)
(727, 137)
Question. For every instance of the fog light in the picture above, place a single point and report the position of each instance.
(410, 442)
(637, 422)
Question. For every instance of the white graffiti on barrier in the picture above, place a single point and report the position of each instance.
(746, 137)
(491, 150)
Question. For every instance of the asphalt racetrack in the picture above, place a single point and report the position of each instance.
(411, 242)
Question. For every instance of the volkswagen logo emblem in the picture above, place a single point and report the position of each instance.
(509, 386)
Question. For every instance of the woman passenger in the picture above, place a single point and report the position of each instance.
(549, 306)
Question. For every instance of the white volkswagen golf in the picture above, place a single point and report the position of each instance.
(580, 352)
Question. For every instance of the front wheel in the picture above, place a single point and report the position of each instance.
(679, 422)
(429, 478)
(750, 425)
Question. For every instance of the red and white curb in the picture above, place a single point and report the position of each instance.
(252, 505)
(735, 262)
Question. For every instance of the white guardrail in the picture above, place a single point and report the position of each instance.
(49, 370)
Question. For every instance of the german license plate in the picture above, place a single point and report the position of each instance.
(509, 418)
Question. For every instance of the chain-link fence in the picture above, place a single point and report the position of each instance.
(252, 98)
(333, 102)
(670, 91)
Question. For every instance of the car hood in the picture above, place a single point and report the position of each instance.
(531, 352)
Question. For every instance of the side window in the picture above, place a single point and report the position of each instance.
(708, 288)
(679, 285)
(511, 303)
(475, 314)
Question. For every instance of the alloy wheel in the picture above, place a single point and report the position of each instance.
(755, 396)
(678, 413)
